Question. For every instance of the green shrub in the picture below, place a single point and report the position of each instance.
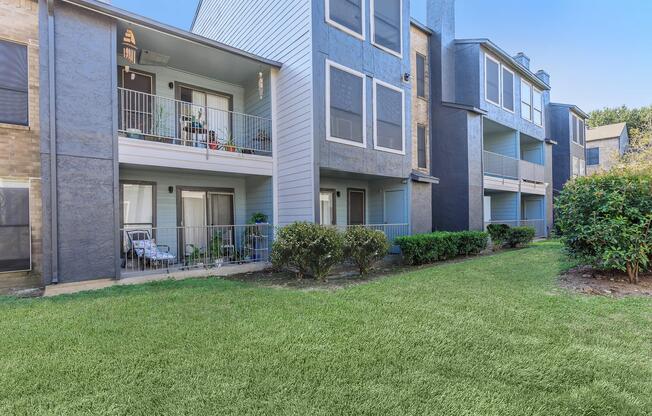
(498, 233)
(605, 220)
(471, 242)
(364, 247)
(517, 236)
(307, 249)
(441, 245)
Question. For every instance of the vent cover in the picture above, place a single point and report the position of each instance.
(153, 58)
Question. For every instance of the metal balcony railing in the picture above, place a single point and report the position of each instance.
(152, 117)
(511, 168)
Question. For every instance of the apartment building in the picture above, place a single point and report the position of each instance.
(161, 152)
(344, 154)
(604, 146)
(20, 170)
(489, 144)
(567, 127)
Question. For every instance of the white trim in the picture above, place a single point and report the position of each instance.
(528, 102)
(373, 30)
(273, 81)
(343, 28)
(486, 82)
(502, 98)
(329, 138)
(375, 120)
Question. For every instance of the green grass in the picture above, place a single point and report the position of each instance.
(489, 336)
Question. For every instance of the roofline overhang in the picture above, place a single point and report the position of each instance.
(465, 107)
(414, 23)
(573, 107)
(121, 14)
(507, 57)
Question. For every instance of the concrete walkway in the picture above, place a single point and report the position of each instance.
(75, 287)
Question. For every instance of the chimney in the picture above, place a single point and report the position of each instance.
(543, 76)
(440, 18)
(522, 59)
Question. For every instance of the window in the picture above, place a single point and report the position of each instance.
(13, 84)
(421, 76)
(356, 206)
(205, 110)
(138, 205)
(386, 25)
(346, 15)
(492, 80)
(577, 129)
(15, 230)
(508, 89)
(526, 101)
(327, 207)
(388, 118)
(593, 156)
(537, 107)
(345, 105)
(422, 160)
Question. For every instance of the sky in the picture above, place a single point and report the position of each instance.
(598, 52)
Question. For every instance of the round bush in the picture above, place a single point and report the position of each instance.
(364, 247)
(605, 220)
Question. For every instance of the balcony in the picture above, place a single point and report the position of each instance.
(505, 167)
(159, 119)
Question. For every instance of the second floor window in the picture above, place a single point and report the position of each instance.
(388, 118)
(593, 156)
(13, 84)
(345, 105)
(508, 89)
(421, 76)
(422, 160)
(577, 129)
(347, 15)
(386, 25)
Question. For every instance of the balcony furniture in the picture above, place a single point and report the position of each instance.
(143, 247)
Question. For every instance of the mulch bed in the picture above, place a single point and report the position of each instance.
(590, 281)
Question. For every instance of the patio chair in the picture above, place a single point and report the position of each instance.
(143, 246)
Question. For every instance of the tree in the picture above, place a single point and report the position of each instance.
(637, 119)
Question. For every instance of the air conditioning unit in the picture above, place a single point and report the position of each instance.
(153, 58)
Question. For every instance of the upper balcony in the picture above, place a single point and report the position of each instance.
(186, 103)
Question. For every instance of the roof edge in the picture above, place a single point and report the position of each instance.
(466, 107)
(194, 18)
(414, 23)
(572, 107)
(118, 13)
(503, 54)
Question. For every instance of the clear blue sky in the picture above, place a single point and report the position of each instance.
(598, 52)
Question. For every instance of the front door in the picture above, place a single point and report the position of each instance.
(395, 207)
(356, 206)
(136, 101)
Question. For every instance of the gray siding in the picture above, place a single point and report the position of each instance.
(280, 31)
(86, 132)
(361, 55)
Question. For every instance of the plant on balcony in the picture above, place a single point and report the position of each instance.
(364, 247)
(229, 146)
(605, 221)
(258, 218)
(216, 245)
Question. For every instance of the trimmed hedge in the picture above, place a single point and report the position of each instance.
(518, 236)
(441, 245)
(498, 233)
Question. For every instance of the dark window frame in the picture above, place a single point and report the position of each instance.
(589, 158)
(29, 229)
(422, 91)
(422, 149)
(24, 90)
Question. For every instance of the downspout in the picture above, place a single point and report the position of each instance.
(54, 255)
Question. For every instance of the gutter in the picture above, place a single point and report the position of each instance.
(54, 228)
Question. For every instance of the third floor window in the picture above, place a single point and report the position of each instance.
(386, 25)
(347, 15)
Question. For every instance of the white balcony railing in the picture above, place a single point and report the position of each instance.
(538, 225)
(511, 168)
(156, 118)
(168, 249)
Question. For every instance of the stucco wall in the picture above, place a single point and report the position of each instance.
(609, 153)
(19, 145)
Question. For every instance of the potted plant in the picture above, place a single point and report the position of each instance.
(216, 247)
(230, 145)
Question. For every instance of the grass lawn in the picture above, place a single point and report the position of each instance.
(488, 336)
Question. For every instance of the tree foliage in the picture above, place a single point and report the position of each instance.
(637, 119)
(605, 220)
